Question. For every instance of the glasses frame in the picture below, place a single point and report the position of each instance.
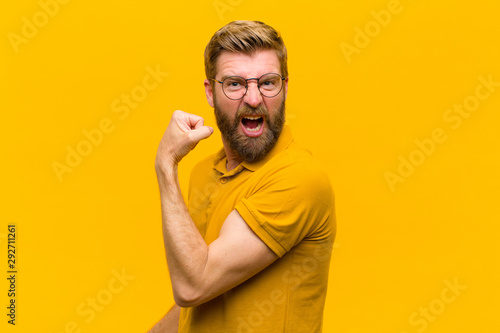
(246, 85)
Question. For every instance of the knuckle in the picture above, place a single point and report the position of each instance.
(191, 137)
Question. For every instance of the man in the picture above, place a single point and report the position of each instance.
(251, 250)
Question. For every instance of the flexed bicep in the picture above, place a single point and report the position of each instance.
(235, 256)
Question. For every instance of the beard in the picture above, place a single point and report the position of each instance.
(250, 149)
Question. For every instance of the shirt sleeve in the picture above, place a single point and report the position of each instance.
(290, 204)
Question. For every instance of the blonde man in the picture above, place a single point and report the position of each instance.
(251, 250)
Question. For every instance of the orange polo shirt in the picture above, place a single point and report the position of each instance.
(287, 200)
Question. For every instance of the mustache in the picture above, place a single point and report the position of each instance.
(247, 110)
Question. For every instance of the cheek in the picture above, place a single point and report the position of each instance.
(225, 109)
(274, 106)
(228, 107)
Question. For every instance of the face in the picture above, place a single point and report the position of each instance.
(250, 126)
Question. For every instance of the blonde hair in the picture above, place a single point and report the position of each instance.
(244, 37)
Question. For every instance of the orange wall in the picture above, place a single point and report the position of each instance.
(399, 100)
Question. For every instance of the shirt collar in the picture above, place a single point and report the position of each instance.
(284, 140)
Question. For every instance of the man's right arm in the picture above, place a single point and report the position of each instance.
(169, 323)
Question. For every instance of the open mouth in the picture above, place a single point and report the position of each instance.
(252, 124)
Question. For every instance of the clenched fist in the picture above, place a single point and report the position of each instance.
(182, 134)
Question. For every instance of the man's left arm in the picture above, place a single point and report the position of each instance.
(199, 272)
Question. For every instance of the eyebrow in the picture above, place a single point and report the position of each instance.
(226, 76)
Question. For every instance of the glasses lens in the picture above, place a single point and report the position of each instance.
(270, 85)
(234, 87)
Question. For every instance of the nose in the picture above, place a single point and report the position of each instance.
(253, 96)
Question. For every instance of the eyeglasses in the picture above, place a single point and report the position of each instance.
(235, 87)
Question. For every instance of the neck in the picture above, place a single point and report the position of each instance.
(233, 159)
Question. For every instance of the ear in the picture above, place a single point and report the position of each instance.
(285, 86)
(209, 92)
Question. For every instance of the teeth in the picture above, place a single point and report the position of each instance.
(252, 118)
(254, 129)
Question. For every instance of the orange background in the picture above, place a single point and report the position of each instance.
(367, 80)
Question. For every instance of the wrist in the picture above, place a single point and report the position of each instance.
(166, 171)
(165, 165)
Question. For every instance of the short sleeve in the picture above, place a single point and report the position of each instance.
(290, 203)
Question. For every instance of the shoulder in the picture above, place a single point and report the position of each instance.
(202, 173)
(203, 165)
(296, 169)
(291, 198)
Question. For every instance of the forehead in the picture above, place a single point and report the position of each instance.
(252, 65)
